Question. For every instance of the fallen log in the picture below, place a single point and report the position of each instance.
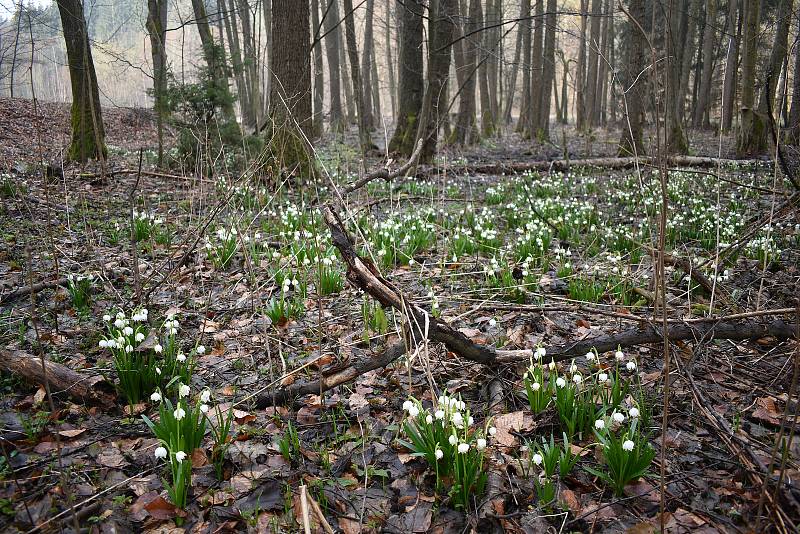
(518, 167)
(35, 288)
(93, 389)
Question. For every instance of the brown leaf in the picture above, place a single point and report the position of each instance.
(75, 432)
(505, 424)
(199, 458)
(569, 498)
(767, 411)
(160, 508)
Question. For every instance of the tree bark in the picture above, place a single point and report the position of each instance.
(387, 28)
(367, 63)
(676, 139)
(512, 77)
(319, 74)
(594, 57)
(88, 133)
(794, 112)
(733, 25)
(701, 115)
(549, 69)
(441, 28)
(580, 77)
(534, 109)
(487, 120)
(332, 46)
(290, 101)
(748, 134)
(466, 131)
(242, 92)
(214, 58)
(410, 77)
(355, 75)
(525, 99)
(157, 31)
(634, 40)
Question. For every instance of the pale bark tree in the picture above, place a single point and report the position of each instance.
(635, 44)
(746, 143)
(387, 29)
(332, 47)
(733, 29)
(676, 138)
(157, 31)
(548, 69)
(525, 32)
(355, 76)
(593, 57)
(319, 75)
(511, 85)
(367, 63)
(701, 117)
(466, 131)
(580, 76)
(534, 107)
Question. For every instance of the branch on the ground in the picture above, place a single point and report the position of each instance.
(35, 288)
(385, 174)
(80, 387)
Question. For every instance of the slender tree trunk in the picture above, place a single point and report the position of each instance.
(635, 45)
(389, 63)
(250, 63)
(290, 102)
(88, 134)
(534, 110)
(794, 113)
(549, 68)
(580, 78)
(748, 134)
(319, 81)
(766, 102)
(564, 86)
(214, 58)
(689, 53)
(466, 131)
(487, 120)
(512, 78)
(347, 80)
(701, 118)
(232, 30)
(591, 76)
(602, 68)
(492, 45)
(332, 47)
(355, 75)
(525, 99)
(366, 67)
(377, 115)
(157, 31)
(733, 24)
(267, 11)
(676, 139)
(441, 28)
(410, 76)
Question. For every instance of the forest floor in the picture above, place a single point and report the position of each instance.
(512, 262)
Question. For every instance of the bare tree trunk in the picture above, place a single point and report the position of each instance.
(366, 67)
(214, 58)
(689, 53)
(635, 44)
(290, 102)
(734, 24)
(676, 139)
(534, 110)
(794, 113)
(347, 82)
(250, 64)
(487, 120)
(701, 118)
(549, 69)
(591, 76)
(319, 80)
(355, 75)
(332, 47)
(512, 77)
(232, 30)
(747, 141)
(377, 115)
(410, 77)
(157, 31)
(389, 63)
(580, 78)
(493, 17)
(466, 130)
(267, 11)
(564, 86)
(525, 99)
(602, 69)
(88, 134)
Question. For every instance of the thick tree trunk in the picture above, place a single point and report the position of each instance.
(410, 76)
(549, 69)
(332, 46)
(630, 143)
(319, 75)
(748, 134)
(493, 17)
(580, 78)
(731, 43)
(534, 110)
(367, 63)
(214, 58)
(441, 28)
(701, 116)
(290, 101)
(88, 134)
(157, 31)
(766, 102)
(466, 131)
(676, 139)
(525, 99)
(377, 114)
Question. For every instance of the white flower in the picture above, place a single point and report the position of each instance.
(599, 424)
(128, 349)
(139, 337)
(634, 412)
(439, 414)
(407, 405)
(158, 348)
(181, 357)
(540, 353)
(413, 411)
(552, 365)
(452, 439)
(429, 419)
(127, 330)
(158, 370)
(619, 355)
(492, 321)
(161, 452)
(631, 366)
(106, 317)
(627, 445)
(536, 386)
(439, 453)
(180, 456)
(577, 379)
(119, 323)
(470, 421)
(602, 377)
(179, 413)
(204, 408)
(205, 396)
(155, 396)
(573, 369)
(463, 448)
(560, 382)
(183, 390)
(619, 417)
(590, 356)
(492, 431)
(103, 344)
(480, 444)
(537, 459)
(458, 419)
(200, 349)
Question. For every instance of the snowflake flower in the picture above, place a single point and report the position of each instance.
(158, 348)
(599, 424)
(179, 413)
(560, 382)
(155, 396)
(205, 396)
(537, 459)
(439, 454)
(452, 439)
(619, 417)
(180, 456)
(627, 445)
(634, 412)
(161, 452)
(480, 444)
(631, 366)
(463, 448)
(200, 349)
(183, 390)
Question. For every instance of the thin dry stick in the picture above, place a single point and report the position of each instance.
(304, 509)
(64, 481)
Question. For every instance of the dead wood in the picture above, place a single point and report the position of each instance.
(385, 174)
(93, 389)
(35, 288)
